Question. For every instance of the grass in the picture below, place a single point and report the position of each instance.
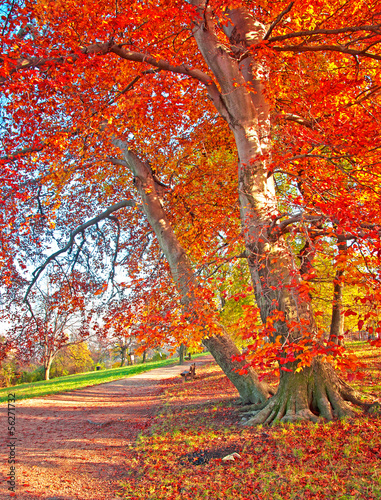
(81, 380)
(371, 356)
(179, 457)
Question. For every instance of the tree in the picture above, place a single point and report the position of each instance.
(120, 329)
(139, 83)
(75, 358)
(53, 321)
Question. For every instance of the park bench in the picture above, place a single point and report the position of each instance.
(191, 373)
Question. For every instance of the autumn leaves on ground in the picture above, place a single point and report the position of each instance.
(180, 456)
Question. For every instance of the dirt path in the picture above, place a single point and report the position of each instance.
(71, 446)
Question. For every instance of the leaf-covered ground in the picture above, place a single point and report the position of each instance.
(180, 455)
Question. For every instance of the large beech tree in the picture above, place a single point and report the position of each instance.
(95, 93)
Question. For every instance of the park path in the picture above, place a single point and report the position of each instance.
(71, 446)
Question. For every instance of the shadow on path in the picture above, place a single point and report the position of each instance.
(70, 446)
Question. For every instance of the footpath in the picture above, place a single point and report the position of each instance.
(71, 446)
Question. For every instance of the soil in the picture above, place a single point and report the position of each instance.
(71, 446)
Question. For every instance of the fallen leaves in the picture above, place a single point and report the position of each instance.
(195, 449)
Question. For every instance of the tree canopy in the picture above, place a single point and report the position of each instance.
(122, 127)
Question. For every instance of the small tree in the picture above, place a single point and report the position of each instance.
(51, 322)
(74, 358)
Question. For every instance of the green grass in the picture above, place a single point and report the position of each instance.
(371, 383)
(81, 380)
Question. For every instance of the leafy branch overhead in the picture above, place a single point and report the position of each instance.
(249, 135)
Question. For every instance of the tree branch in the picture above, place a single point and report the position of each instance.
(108, 48)
(330, 48)
(80, 229)
(22, 152)
(375, 28)
(278, 20)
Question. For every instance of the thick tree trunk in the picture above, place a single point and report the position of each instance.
(221, 346)
(317, 390)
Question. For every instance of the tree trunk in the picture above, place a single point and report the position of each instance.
(181, 354)
(122, 356)
(48, 358)
(47, 365)
(221, 346)
(337, 320)
(316, 390)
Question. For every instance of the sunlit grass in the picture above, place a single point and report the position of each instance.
(80, 380)
(371, 383)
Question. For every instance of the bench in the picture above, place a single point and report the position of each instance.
(191, 373)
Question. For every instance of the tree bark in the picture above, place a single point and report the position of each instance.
(316, 390)
(123, 350)
(337, 320)
(221, 346)
(47, 365)
(181, 354)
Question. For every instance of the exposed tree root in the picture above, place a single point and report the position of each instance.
(316, 392)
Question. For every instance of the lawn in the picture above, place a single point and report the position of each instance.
(179, 456)
(78, 381)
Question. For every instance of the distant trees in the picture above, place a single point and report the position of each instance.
(74, 358)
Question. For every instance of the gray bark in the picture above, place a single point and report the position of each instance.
(47, 365)
(337, 319)
(181, 354)
(274, 273)
(247, 113)
(221, 346)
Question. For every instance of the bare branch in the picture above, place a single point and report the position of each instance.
(291, 117)
(80, 229)
(282, 227)
(331, 48)
(115, 219)
(278, 20)
(376, 28)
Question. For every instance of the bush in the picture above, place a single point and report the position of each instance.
(158, 356)
(28, 377)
